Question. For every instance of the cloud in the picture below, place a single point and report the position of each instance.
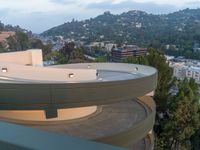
(177, 3)
(27, 6)
(129, 5)
(39, 15)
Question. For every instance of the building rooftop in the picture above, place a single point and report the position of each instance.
(104, 102)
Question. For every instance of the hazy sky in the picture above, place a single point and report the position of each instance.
(40, 15)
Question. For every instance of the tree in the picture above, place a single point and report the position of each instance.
(77, 53)
(68, 54)
(3, 47)
(138, 60)
(18, 42)
(177, 116)
(67, 49)
(195, 140)
(183, 117)
(57, 57)
(12, 44)
(46, 49)
(101, 59)
(23, 40)
(157, 59)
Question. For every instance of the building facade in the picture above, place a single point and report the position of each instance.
(181, 71)
(118, 54)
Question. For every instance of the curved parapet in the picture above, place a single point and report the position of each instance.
(104, 102)
(38, 116)
(138, 130)
(112, 82)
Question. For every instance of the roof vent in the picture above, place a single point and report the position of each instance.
(4, 70)
(71, 75)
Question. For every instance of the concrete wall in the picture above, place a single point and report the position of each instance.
(36, 57)
(38, 116)
(30, 57)
(27, 65)
(42, 74)
(141, 70)
(50, 96)
(65, 95)
(137, 131)
(15, 137)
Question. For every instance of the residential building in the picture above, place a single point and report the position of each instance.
(118, 54)
(110, 46)
(183, 70)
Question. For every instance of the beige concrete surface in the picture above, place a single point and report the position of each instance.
(39, 115)
(123, 124)
(42, 74)
(30, 57)
(113, 119)
(123, 120)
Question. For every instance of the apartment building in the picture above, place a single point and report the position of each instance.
(118, 54)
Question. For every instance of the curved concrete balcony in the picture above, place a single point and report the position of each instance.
(115, 82)
(125, 124)
(110, 95)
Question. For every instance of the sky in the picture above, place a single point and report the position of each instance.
(40, 15)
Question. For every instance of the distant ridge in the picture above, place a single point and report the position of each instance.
(4, 27)
(134, 27)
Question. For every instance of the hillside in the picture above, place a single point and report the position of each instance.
(4, 27)
(180, 28)
(14, 38)
(132, 26)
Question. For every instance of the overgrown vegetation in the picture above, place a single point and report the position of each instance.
(180, 29)
(68, 54)
(178, 116)
(21, 41)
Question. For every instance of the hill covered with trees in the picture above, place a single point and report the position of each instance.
(21, 40)
(4, 27)
(180, 29)
(177, 115)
